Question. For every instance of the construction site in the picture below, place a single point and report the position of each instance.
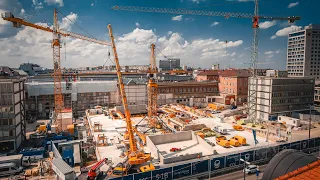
(137, 128)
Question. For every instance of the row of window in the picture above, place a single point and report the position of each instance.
(172, 90)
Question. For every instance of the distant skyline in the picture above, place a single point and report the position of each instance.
(199, 41)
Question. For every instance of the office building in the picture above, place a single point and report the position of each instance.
(169, 64)
(303, 56)
(12, 112)
(278, 94)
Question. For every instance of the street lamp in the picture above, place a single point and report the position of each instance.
(311, 107)
(244, 167)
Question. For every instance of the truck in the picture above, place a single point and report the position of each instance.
(220, 130)
(18, 160)
(222, 141)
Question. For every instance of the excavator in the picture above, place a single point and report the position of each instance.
(136, 158)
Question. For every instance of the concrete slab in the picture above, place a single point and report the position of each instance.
(187, 147)
(109, 129)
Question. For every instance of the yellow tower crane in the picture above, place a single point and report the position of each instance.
(56, 45)
(152, 89)
(252, 104)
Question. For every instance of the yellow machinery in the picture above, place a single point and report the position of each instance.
(56, 45)
(252, 106)
(102, 140)
(238, 127)
(234, 143)
(152, 90)
(222, 141)
(240, 139)
(135, 156)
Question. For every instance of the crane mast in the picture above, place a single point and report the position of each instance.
(57, 33)
(252, 104)
(152, 89)
(135, 155)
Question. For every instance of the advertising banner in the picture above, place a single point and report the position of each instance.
(232, 160)
(200, 167)
(217, 163)
(180, 171)
(162, 174)
(247, 156)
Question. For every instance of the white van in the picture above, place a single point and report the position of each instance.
(8, 169)
(220, 130)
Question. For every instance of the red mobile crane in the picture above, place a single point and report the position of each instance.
(95, 170)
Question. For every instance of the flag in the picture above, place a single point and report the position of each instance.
(255, 136)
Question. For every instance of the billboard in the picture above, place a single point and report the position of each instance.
(247, 156)
(217, 163)
(181, 171)
(143, 176)
(295, 145)
(233, 160)
(162, 174)
(200, 167)
(260, 154)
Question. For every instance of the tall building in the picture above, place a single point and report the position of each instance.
(278, 94)
(12, 112)
(303, 56)
(169, 64)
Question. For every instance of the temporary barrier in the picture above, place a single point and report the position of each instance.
(227, 162)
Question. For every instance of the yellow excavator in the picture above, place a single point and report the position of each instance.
(135, 156)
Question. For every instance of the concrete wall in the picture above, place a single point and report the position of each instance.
(152, 147)
(203, 143)
(184, 157)
(169, 138)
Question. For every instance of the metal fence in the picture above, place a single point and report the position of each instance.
(218, 165)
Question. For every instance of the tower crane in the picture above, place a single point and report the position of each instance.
(152, 89)
(135, 155)
(252, 104)
(56, 45)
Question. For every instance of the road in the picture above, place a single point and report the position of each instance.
(239, 175)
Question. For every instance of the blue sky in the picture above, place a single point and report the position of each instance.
(197, 40)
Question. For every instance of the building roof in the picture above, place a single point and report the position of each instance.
(286, 161)
(62, 166)
(128, 81)
(309, 172)
(187, 83)
(226, 73)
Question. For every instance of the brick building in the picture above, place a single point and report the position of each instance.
(231, 82)
(189, 93)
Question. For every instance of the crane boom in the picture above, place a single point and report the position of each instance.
(17, 22)
(136, 156)
(199, 12)
(252, 105)
(56, 45)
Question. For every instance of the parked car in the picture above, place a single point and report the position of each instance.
(175, 149)
(251, 169)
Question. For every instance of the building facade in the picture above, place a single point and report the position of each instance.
(231, 82)
(317, 95)
(303, 54)
(188, 93)
(169, 64)
(283, 96)
(12, 113)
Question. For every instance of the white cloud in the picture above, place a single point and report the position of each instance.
(285, 31)
(22, 12)
(36, 4)
(268, 52)
(92, 4)
(270, 56)
(15, 7)
(177, 18)
(278, 51)
(291, 5)
(133, 48)
(214, 24)
(247, 48)
(267, 24)
(169, 32)
(137, 24)
(197, 1)
(68, 21)
(53, 2)
(273, 37)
